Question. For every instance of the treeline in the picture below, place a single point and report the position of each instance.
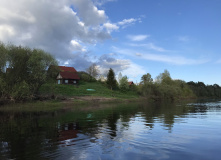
(164, 87)
(22, 71)
(202, 90)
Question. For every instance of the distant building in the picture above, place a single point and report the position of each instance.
(67, 75)
(131, 83)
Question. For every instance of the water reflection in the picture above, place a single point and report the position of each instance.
(123, 131)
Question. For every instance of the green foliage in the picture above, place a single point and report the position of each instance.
(3, 89)
(20, 91)
(146, 85)
(164, 87)
(164, 77)
(26, 71)
(3, 55)
(123, 84)
(111, 81)
(201, 90)
(84, 76)
(146, 78)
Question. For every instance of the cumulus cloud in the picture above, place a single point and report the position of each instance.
(65, 28)
(110, 27)
(76, 46)
(52, 25)
(108, 61)
(125, 66)
(89, 13)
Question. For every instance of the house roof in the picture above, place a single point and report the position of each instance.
(67, 69)
(69, 75)
(131, 82)
(68, 72)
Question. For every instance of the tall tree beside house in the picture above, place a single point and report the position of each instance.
(38, 64)
(93, 70)
(111, 81)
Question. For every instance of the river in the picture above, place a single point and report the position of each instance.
(163, 130)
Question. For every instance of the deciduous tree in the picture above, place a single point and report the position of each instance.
(123, 84)
(93, 70)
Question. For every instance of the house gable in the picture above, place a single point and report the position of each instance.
(59, 76)
(67, 75)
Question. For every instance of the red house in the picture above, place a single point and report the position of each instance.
(130, 83)
(67, 75)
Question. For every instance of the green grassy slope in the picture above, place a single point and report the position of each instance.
(81, 90)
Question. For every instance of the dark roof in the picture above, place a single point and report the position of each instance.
(68, 72)
(69, 75)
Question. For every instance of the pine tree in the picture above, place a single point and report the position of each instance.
(111, 81)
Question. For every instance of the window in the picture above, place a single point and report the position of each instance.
(74, 82)
(59, 81)
(66, 81)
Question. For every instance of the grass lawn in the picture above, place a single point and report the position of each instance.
(81, 90)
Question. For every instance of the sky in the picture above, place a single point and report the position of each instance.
(133, 37)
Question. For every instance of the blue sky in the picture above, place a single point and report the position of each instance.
(132, 37)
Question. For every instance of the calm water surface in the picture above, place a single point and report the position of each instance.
(120, 131)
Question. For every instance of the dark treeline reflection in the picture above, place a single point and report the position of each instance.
(28, 135)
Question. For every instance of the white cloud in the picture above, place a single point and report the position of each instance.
(52, 25)
(127, 21)
(125, 66)
(63, 28)
(76, 46)
(134, 71)
(171, 59)
(154, 47)
(140, 37)
(102, 2)
(110, 27)
(123, 24)
(176, 60)
(149, 46)
(89, 13)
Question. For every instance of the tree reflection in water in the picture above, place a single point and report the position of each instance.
(28, 135)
